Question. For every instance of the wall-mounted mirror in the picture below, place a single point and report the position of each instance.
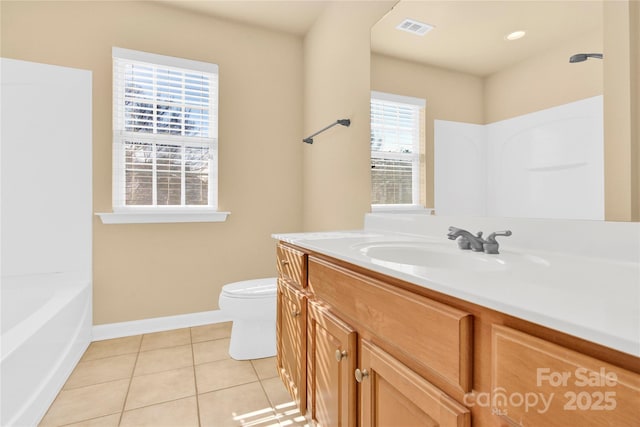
(465, 66)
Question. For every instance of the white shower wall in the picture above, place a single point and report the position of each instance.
(46, 169)
(460, 174)
(546, 164)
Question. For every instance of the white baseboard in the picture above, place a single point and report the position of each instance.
(156, 324)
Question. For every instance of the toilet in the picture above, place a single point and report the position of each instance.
(251, 305)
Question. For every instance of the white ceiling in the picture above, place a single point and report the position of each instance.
(468, 35)
(294, 16)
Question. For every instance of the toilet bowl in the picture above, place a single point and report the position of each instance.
(251, 305)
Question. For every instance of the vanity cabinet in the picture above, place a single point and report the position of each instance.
(359, 348)
(362, 334)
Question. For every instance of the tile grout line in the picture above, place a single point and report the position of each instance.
(164, 348)
(229, 387)
(124, 403)
(106, 357)
(264, 390)
(195, 379)
(66, 388)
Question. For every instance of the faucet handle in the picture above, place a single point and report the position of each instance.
(491, 245)
(492, 236)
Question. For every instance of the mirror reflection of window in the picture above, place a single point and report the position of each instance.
(397, 147)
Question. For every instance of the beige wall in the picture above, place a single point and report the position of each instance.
(449, 95)
(545, 80)
(336, 85)
(622, 162)
(144, 271)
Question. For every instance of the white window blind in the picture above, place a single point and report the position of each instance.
(395, 149)
(164, 131)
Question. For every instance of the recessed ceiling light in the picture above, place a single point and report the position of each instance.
(414, 27)
(515, 35)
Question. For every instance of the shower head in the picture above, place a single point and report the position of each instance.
(580, 57)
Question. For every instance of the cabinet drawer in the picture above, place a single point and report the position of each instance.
(292, 265)
(545, 384)
(433, 334)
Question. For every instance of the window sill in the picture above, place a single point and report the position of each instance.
(402, 209)
(132, 217)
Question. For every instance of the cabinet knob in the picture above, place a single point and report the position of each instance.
(284, 262)
(295, 313)
(340, 354)
(361, 375)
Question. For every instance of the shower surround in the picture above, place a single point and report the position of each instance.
(546, 164)
(46, 215)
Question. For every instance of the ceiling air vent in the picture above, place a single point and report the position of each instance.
(414, 27)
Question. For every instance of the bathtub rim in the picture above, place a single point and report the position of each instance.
(79, 299)
(72, 284)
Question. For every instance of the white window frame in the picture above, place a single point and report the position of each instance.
(163, 213)
(415, 206)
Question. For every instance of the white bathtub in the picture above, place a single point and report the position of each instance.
(46, 327)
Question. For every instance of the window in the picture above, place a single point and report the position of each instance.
(164, 133)
(396, 123)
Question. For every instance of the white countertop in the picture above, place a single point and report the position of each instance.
(596, 298)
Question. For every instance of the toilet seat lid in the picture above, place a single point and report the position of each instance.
(257, 288)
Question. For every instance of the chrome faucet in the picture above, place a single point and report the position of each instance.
(477, 243)
(467, 240)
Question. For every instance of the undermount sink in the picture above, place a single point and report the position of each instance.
(431, 255)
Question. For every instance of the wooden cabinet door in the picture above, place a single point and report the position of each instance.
(392, 395)
(536, 382)
(291, 329)
(332, 360)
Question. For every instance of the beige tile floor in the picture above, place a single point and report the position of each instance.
(180, 378)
